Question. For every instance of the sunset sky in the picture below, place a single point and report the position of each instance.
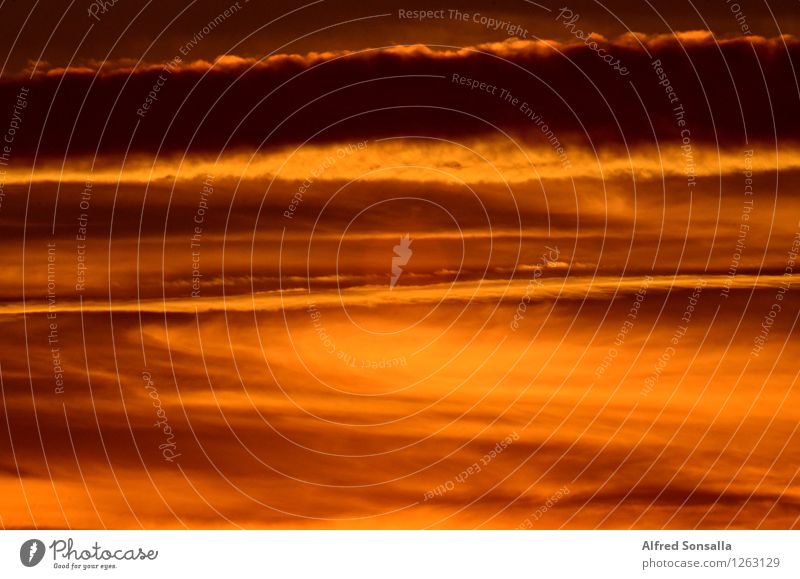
(211, 316)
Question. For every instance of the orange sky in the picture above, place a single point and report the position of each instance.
(594, 327)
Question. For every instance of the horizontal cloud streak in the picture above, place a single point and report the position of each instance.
(542, 288)
(353, 96)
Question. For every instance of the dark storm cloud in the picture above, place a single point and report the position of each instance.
(155, 31)
(382, 93)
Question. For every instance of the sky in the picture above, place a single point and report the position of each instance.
(500, 265)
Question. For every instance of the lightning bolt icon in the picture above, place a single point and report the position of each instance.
(402, 253)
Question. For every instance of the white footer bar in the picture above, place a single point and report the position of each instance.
(401, 554)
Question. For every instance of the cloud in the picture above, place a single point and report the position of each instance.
(512, 290)
(357, 95)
